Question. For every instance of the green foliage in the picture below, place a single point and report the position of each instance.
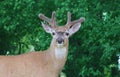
(92, 50)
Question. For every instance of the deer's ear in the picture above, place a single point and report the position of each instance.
(47, 28)
(74, 28)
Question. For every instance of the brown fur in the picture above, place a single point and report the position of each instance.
(33, 64)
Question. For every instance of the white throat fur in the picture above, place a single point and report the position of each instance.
(60, 52)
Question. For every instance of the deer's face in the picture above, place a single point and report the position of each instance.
(61, 34)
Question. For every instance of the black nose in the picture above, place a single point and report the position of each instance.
(59, 40)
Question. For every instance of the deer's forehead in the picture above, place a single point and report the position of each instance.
(61, 29)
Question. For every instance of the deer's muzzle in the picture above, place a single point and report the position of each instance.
(60, 40)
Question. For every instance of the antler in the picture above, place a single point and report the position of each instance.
(51, 21)
(69, 18)
(69, 22)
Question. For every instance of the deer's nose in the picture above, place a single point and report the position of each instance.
(59, 40)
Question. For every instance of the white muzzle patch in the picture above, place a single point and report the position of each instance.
(60, 45)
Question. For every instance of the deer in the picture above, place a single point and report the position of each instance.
(48, 63)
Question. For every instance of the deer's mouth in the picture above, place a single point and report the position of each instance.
(60, 45)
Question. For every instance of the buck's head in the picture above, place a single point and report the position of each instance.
(61, 33)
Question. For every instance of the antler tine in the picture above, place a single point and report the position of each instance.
(69, 18)
(43, 17)
(53, 18)
(51, 21)
(70, 23)
(77, 21)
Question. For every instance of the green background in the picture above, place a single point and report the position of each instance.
(93, 49)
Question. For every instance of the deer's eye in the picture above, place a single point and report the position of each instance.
(53, 33)
(67, 34)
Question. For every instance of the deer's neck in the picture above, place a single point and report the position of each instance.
(58, 55)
